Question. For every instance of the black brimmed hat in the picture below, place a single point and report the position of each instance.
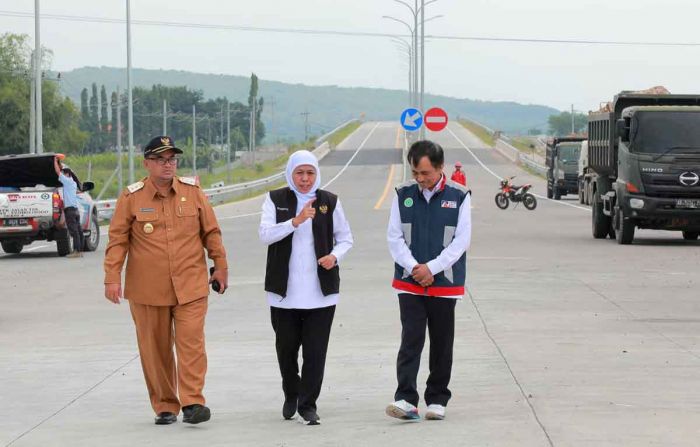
(160, 144)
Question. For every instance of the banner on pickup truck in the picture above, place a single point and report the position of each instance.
(25, 204)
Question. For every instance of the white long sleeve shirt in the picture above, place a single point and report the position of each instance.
(402, 253)
(303, 286)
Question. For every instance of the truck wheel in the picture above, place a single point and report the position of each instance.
(687, 235)
(13, 247)
(549, 192)
(601, 222)
(93, 241)
(62, 242)
(502, 201)
(625, 228)
(557, 193)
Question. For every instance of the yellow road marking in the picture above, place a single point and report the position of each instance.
(387, 187)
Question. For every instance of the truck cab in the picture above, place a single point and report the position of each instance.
(562, 158)
(647, 162)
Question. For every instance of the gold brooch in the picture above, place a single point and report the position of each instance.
(323, 209)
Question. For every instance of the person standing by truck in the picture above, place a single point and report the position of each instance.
(70, 207)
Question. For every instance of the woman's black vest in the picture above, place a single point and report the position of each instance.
(279, 253)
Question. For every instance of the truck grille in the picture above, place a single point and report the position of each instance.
(667, 185)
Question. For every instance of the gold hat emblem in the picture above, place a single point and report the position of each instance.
(323, 209)
(165, 141)
(148, 228)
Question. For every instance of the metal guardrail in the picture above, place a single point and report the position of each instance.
(323, 138)
(105, 208)
(517, 157)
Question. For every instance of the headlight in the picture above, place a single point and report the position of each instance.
(637, 204)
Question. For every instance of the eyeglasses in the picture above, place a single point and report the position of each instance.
(162, 160)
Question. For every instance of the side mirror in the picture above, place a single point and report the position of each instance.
(622, 130)
(88, 186)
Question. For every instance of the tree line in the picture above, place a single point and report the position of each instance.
(98, 116)
(92, 127)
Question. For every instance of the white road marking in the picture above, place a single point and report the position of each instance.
(359, 148)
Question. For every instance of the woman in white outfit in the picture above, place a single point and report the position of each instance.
(307, 235)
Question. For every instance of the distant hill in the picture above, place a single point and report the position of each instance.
(328, 105)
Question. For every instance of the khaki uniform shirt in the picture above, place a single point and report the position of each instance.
(164, 238)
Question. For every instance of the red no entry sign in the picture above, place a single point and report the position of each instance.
(435, 119)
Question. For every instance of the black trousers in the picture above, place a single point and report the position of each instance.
(73, 224)
(439, 314)
(309, 329)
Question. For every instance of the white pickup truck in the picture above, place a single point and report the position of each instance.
(31, 205)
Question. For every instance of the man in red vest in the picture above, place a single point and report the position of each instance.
(458, 176)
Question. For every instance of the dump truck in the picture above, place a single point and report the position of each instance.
(644, 154)
(562, 155)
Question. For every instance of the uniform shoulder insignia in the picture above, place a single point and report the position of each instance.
(135, 187)
(188, 181)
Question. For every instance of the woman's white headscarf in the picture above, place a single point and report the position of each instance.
(295, 160)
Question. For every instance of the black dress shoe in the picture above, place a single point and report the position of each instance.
(166, 418)
(310, 417)
(289, 407)
(194, 414)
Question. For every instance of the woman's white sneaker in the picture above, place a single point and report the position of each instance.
(435, 412)
(402, 410)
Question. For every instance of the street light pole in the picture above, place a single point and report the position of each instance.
(130, 108)
(422, 62)
(194, 141)
(37, 79)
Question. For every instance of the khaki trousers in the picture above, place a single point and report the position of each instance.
(158, 328)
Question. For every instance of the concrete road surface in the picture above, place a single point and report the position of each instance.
(563, 340)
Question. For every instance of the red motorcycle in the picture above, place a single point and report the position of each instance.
(516, 194)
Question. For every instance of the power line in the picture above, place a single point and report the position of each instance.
(309, 31)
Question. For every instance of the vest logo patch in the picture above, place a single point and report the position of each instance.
(408, 202)
(448, 204)
(323, 209)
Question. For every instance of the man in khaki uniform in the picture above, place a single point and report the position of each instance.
(164, 223)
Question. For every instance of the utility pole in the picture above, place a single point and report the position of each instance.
(37, 80)
(32, 110)
(119, 138)
(194, 141)
(130, 108)
(165, 117)
(573, 129)
(228, 142)
(221, 127)
(272, 104)
(252, 126)
(306, 114)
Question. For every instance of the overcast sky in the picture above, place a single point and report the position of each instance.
(552, 74)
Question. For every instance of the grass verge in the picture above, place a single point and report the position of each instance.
(483, 134)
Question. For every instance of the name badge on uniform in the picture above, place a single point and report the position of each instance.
(147, 210)
(448, 204)
(148, 228)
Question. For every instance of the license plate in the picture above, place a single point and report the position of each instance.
(15, 222)
(688, 203)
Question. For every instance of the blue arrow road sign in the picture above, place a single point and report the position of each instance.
(411, 119)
